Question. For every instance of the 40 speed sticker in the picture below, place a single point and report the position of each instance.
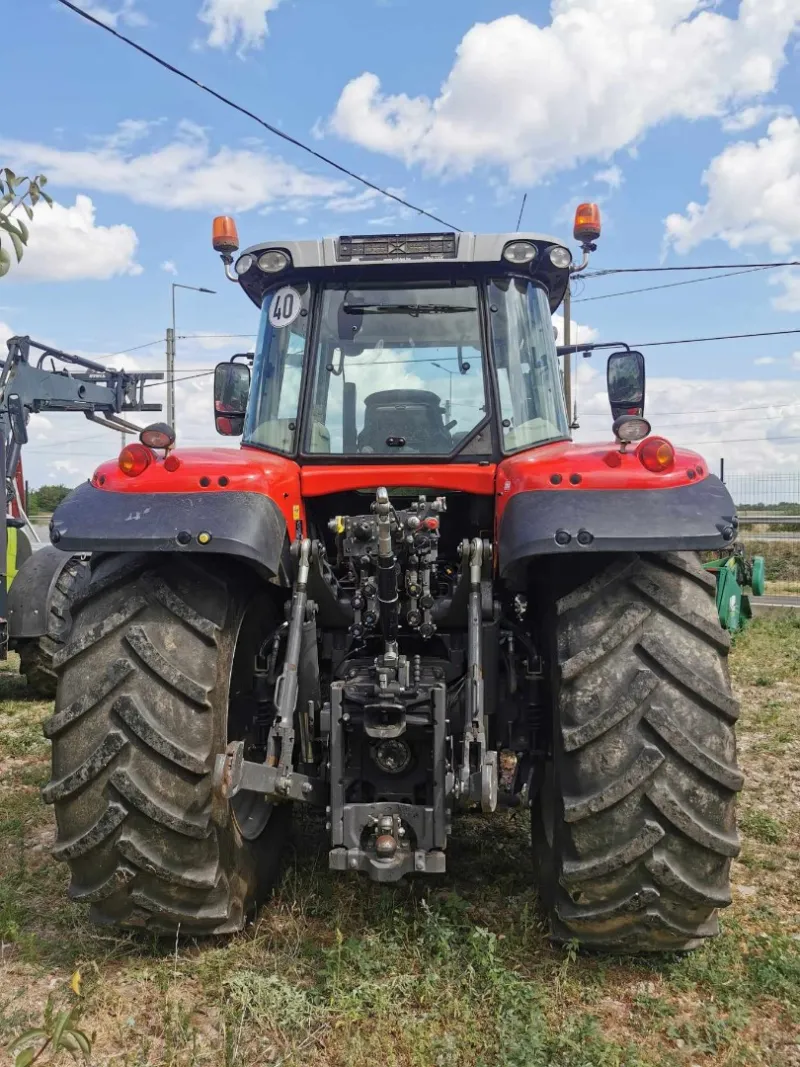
(286, 305)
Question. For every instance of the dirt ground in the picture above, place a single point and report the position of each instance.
(449, 972)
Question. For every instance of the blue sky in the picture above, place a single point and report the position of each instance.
(463, 106)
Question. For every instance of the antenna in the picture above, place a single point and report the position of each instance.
(522, 211)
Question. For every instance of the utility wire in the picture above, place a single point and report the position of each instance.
(136, 348)
(522, 211)
(708, 411)
(175, 381)
(703, 266)
(214, 336)
(667, 285)
(251, 115)
(722, 337)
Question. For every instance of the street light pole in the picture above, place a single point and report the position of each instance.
(171, 339)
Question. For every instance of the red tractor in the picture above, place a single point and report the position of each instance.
(407, 570)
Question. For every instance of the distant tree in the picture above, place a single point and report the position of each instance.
(47, 498)
(15, 193)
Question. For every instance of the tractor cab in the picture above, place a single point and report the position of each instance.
(436, 346)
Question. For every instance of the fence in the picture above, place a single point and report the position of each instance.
(769, 525)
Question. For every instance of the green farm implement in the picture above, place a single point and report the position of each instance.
(736, 573)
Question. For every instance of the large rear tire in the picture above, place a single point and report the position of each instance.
(634, 826)
(160, 650)
(36, 654)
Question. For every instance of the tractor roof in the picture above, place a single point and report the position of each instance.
(398, 248)
(390, 254)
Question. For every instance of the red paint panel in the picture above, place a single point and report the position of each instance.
(597, 466)
(214, 470)
(460, 477)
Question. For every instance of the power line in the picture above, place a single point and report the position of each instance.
(136, 348)
(687, 426)
(667, 285)
(522, 211)
(176, 381)
(722, 337)
(262, 122)
(741, 440)
(215, 336)
(707, 411)
(703, 266)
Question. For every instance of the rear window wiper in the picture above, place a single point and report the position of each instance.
(403, 309)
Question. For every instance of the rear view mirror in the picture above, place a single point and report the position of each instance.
(231, 390)
(626, 379)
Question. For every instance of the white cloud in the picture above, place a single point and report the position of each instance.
(362, 201)
(184, 173)
(128, 132)
(790, 280)
(765, 361)
(753, 195)
(752, 116)
(612, 176)
(579, 334)
(540, 99)
(232, 20)
(126, 14)
(168, 266)
(66, 244)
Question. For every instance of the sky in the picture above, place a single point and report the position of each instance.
(680, 117)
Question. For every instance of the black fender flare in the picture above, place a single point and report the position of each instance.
(247, 526)
(31, 591)
(556, 522)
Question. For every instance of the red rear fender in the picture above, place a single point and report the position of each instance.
(214, 470)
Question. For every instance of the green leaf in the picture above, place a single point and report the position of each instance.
(7, 199)
(41, 179)
(5, 262)
(24, 1058)
(28, 210)
(27, 1038)
(19, 247)
(24, 232)
(9, 226)
(83, 1041)
(34, 193)
(47, 199)
(62, 1020)
(69, 1042)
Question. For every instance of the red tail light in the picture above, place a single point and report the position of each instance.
(134, 460)
(656, 454)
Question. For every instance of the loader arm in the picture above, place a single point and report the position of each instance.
(37, 378)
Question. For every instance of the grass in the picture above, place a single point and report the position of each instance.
(451, 972)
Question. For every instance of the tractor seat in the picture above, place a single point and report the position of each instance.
(416, 415)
